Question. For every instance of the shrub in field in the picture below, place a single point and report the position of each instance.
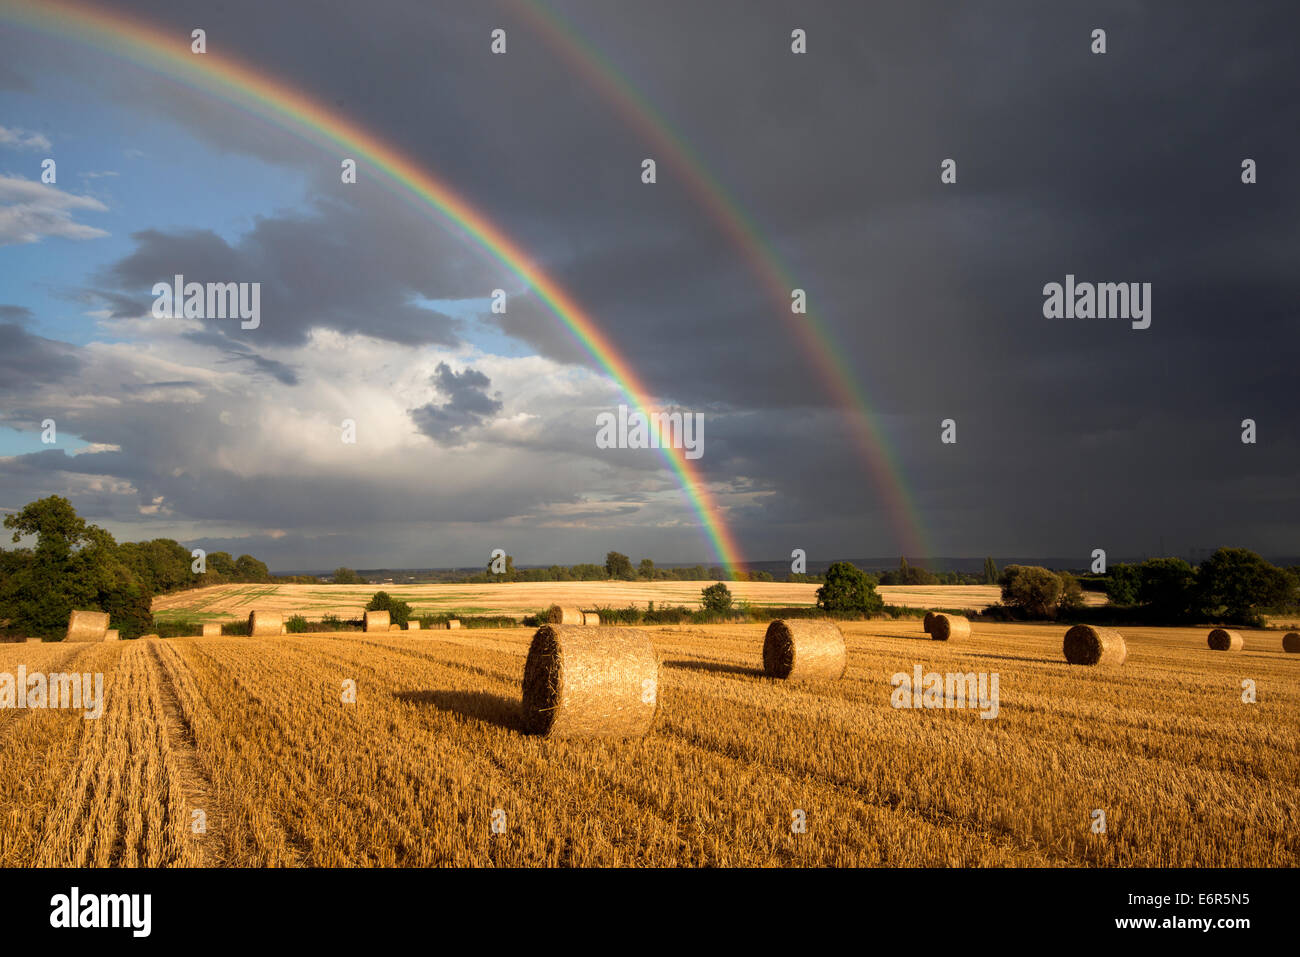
(629, 615)
(716, 598)
(436, 621)
(399, 612)
(1071, 599)
(174, 629)
(849, 589)
(1122, 584)
(1167, 586)
(665, 616)
(296, 625)
(618, 565)
(1032, 589)
(1234, 584)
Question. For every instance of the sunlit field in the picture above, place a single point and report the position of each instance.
(251, 738)
(232, 602)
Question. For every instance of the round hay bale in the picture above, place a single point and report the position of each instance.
(412, 626)
(211, 630)
(264, 624)
(929, 620)
(394, 627)
(591, 619)
(1087, 645)
(590, 682)
(453, 623)
(1220, 639)
(112, 635)
(799, 649)
(1291, 642)
(377, 621)
(86, 626)
(557, 615)
(942, 627)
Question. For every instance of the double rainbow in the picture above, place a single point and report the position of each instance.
(237, 82)
(816, 339)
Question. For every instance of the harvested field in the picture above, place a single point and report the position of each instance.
(233, 602)
(253, 731)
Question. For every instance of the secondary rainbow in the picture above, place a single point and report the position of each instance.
(222, 75)
(813, 335)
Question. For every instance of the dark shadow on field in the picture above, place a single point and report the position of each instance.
(715, 666)
(1041, 661)
(479, 705)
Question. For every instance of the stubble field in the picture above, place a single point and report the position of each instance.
(253, 733)
(232, 602)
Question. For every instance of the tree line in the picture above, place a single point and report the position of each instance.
(74, 564)
(1232, 586)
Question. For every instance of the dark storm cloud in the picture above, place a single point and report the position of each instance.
(331, 270)
(468, 404)
(15, 314)
(28, 361)
(1120, 167)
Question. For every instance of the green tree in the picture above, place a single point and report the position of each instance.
(1168, 587)
(1032, 589)
(399, 612)
(849, 589)
(1071, 593)
(161, 565)
(73, 565)
(249, 569)
(1122, 583)
(990, 571)
(716, 598)
(908, 575)
(618, 565)
(222, 564)
(129, 607)
(646, 569)
(347, 576)
(1236, 584)
(507, 575)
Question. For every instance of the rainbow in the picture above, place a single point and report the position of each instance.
(815, 338)
(238, 83)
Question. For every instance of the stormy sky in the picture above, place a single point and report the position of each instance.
(476, 430)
